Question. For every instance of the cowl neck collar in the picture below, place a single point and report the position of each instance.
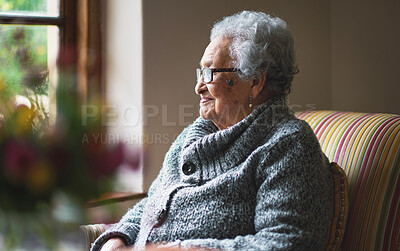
(215, 151)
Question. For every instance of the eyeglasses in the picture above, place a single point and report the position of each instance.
(207, 73)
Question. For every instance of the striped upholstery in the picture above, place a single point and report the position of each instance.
(93, 231)
(367, 147)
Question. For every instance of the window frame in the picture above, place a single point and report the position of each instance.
(79, 58)
(81, 40)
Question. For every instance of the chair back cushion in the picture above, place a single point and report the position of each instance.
(367, 147)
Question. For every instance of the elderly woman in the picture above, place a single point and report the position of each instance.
(246, 175)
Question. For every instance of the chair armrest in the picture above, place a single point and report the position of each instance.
(92, 231)
(341, 208)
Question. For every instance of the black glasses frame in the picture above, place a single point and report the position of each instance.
(210, 72)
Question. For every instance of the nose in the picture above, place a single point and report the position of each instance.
(200, 87)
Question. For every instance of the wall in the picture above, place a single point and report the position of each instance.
(347, 54)
(365, 56)
(175, 34)
(123, 72)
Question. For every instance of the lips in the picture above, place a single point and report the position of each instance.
(204, 100)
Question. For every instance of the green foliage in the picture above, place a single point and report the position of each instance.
(23, 5)
(23, 53)
(23, 57)
(23, 71)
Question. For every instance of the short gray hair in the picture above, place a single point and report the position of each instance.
(260, 42)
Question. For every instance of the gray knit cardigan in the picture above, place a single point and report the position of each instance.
(262, 184)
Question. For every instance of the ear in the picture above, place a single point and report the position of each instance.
(257, 84)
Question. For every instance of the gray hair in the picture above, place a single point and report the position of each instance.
(260, 42)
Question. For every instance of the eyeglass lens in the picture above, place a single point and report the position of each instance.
(206, 73)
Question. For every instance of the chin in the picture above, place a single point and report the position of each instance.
(205, 114)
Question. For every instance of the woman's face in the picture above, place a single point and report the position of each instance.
(223, 104)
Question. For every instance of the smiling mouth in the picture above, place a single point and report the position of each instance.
(204, 100)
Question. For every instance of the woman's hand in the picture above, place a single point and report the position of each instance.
(114, 244)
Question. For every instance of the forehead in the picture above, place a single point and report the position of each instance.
(217, 53)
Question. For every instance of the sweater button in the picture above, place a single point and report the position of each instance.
(162, 216)
(188, 168)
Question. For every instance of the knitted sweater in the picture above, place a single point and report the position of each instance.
(262, 184)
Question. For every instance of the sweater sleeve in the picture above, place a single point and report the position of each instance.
(129, 225)
(127, 228)
(294, 200)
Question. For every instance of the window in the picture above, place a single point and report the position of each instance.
(29, 42)
(39, 46)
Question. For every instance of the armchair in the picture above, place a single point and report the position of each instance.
(367, 148)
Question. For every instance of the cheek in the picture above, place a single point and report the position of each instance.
(224, 96)
(214, 90)
(226, 100)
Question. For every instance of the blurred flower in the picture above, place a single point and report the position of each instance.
(102, 159)
(23, 120)
(58, 155)
(18, 159)
(22, 101)
(39, 161)
(40, 178)
(132, 158)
